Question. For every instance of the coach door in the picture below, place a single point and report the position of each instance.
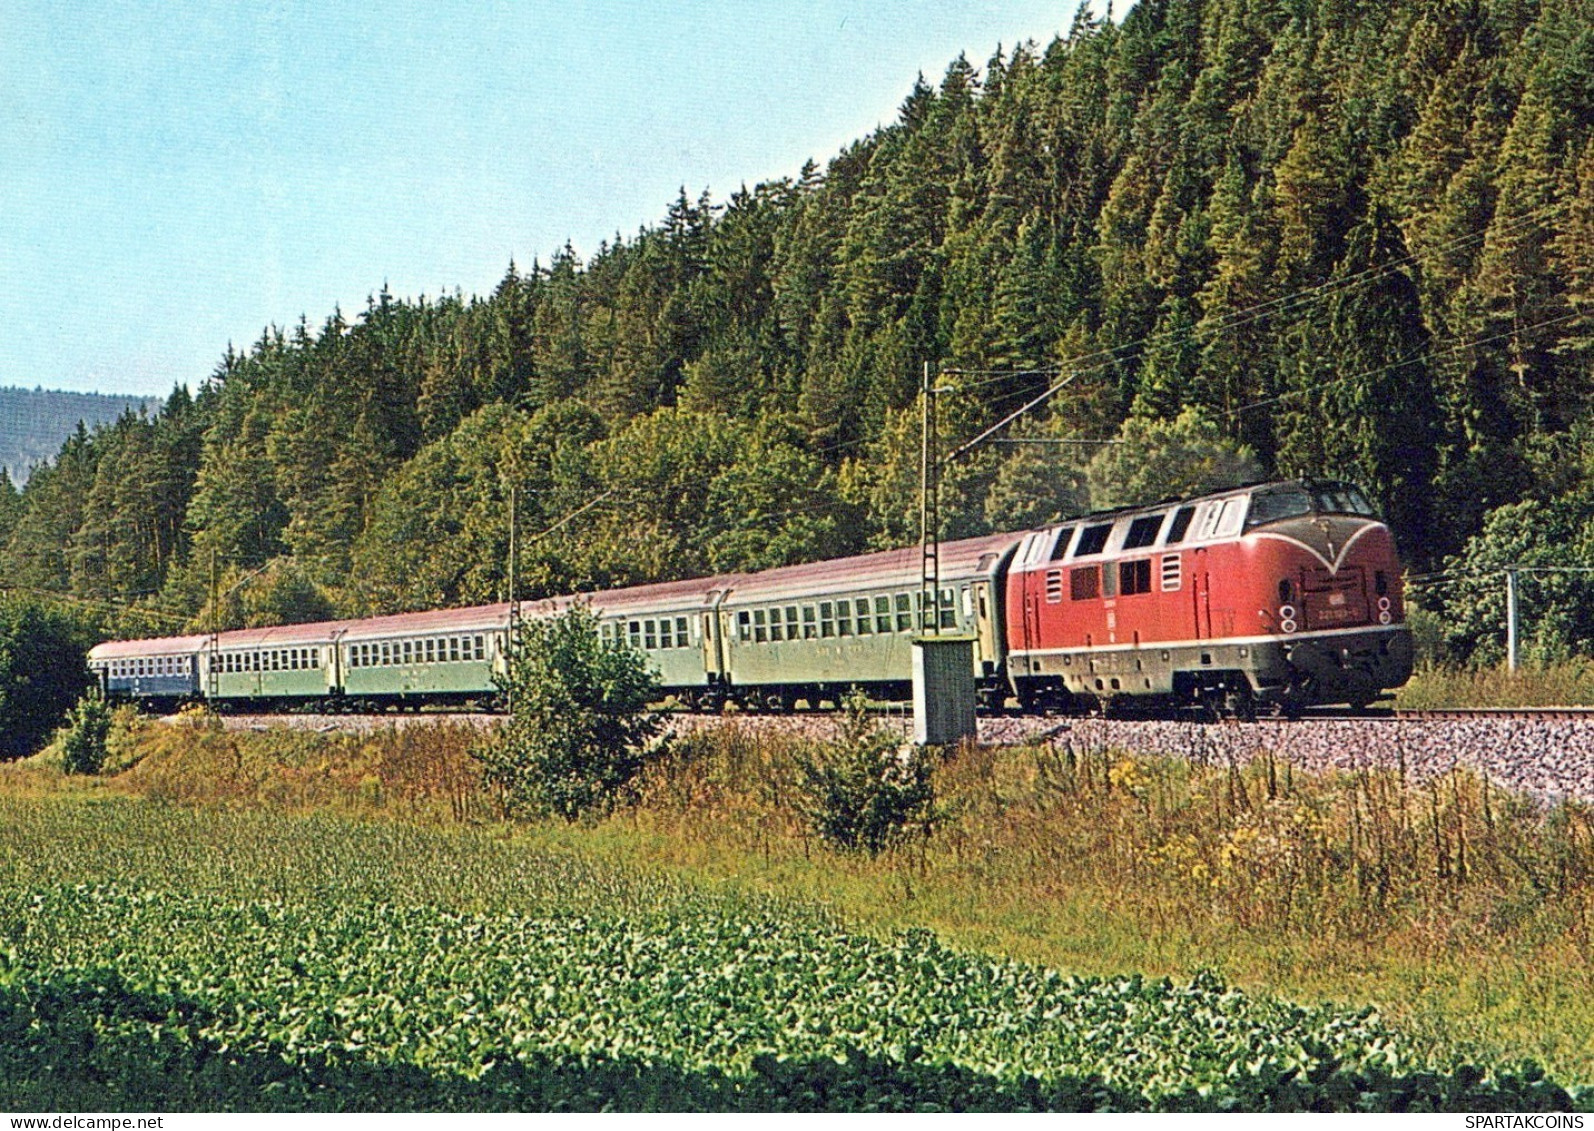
(713, 647)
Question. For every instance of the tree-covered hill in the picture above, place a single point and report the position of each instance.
(1349, 237)
(35, 422)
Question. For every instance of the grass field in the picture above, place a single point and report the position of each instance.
(1556, 685)
(275, 921)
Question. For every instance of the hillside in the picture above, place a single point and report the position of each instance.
(1332, 237)
(35, 422)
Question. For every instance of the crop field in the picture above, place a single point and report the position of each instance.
(159, 957)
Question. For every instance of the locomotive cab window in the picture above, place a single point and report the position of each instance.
(1278, 504)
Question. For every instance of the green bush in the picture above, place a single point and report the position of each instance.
(864, 790)
(88, 727)
(43, 671)
(579, 730)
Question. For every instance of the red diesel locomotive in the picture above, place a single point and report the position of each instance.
(1281, 595)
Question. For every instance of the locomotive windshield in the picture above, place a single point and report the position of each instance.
(1295, 500)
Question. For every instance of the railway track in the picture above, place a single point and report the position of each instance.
(312, 720)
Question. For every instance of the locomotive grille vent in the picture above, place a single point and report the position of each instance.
(1054, 586)
(1172, 576)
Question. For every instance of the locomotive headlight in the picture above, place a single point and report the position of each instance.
(1383, 604)
(1287, 621)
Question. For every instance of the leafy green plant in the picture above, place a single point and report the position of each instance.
(84, 739)
(865, 790)
(321, 1002)
(579, 730)
(43, 670)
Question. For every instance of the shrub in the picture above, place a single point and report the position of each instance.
(864, 790)
(88, 726)
(579, 730)
(43, 671)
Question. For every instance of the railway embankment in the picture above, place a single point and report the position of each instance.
(1549, 756)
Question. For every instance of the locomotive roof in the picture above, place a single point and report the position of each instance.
(1188, 500)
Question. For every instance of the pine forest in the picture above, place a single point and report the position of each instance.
(1336, 238)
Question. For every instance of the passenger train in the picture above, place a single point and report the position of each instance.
(1269, 597)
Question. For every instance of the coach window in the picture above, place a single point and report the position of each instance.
(387, 653)
(633, 633)
(1180, 524)
(481, 647)
(776, 631)
(744, 626)
(680, 632)
(948, 609)
(882, 614)
(760, 626)
(650, 640)
(1092, 540)
(827, 620)
(1084, 583)
(810, 623)
(860, 608)
(791, 622)
(453, 643)
(1134, 577)
(1143, 531)
(843, 618)
(904, 613)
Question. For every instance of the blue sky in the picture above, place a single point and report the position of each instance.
(175, 176)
